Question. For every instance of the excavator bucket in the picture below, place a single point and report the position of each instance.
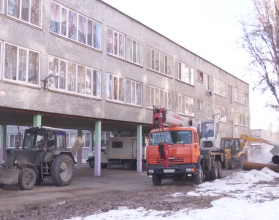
(259, 166)
(8, 176)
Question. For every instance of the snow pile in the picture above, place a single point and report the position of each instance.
(241, 185)
(225, 209)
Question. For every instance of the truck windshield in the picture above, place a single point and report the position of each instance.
(171, 137)
(207, 129)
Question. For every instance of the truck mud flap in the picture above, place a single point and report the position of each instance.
(8, 176)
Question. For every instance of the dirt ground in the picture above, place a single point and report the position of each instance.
(144, 194)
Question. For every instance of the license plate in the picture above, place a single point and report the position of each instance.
(169, 170)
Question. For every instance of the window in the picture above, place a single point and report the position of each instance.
(133, 51)
(157, 96)
(123, 90)
(184, 72)
(21, 65)
(199, 75)
(184, 105)
(241, 119)
(220, 113)
(117, 144)
(196, 138)
(86, 139)
(13, 140)
(29, 11)
(70, 139)
(75, 26)
(74, 78)
(219, 88)
(241, 97)
(207, 82)
(115, 43)
(158, 61)
(208, 110)
(199, 105)
(2, 6)
(171, 137)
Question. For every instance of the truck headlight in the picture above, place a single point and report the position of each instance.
(150, 171)
(188, 170)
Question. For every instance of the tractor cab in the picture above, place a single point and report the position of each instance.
(232, 144)
(44, 138)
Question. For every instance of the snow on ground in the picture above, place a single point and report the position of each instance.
(245, 195)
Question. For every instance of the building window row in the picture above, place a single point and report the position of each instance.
(158, 61)
(72, 25)
(115, 43)
(184, 105)
(21, 64)
(220, 113)
(74, 78)
(123, 90)
(184, 72)
(14, 140)
(241, 119)
(158, 97)
(241, 97)
(220, 88)
(29, 11)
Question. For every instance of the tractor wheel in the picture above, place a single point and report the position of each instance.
(219, 169)
(27, 179)
(128, 165)
(198, 178)
(241, 159)
(231, 164)
(92, 164)
(62, 170)
(214, 171)
(156, 180)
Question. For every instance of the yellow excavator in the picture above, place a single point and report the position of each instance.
(235, 152)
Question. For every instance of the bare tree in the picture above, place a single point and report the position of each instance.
(261, 40)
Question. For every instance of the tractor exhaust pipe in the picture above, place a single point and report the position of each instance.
(275, 159)
(259, 166)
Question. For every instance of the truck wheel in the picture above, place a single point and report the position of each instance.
(198, 178)
(62, 170)
(128, 165)
(27, 179)
(241, 159)
(104, 166)
(214, 171)
(2, 186)
(92, 164)
(207, 175)
(156, 180)
(220, 171)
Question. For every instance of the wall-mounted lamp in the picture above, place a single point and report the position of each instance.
(51, 75)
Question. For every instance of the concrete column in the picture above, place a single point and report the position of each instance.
(98, 137)
(79, 153)
(139, 148)
(37, 120)
(3, 143)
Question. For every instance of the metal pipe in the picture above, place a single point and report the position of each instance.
(259, 166)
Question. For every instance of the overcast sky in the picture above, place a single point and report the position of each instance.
(210, 29)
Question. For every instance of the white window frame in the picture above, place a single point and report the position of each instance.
(84, 133)
(207, 81)
(200, 107)
(132, 49)
(198, 72)
(77, 27)
(179, 72)
(166, 92)
(220, 87)
(222, 110)
(66, 79)
(68, 134)
(125, 90)
(124, 38)
(159, 64)
(9, 140)
(20, 19)
(179, 106)
(208, 108)
(27, 64)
